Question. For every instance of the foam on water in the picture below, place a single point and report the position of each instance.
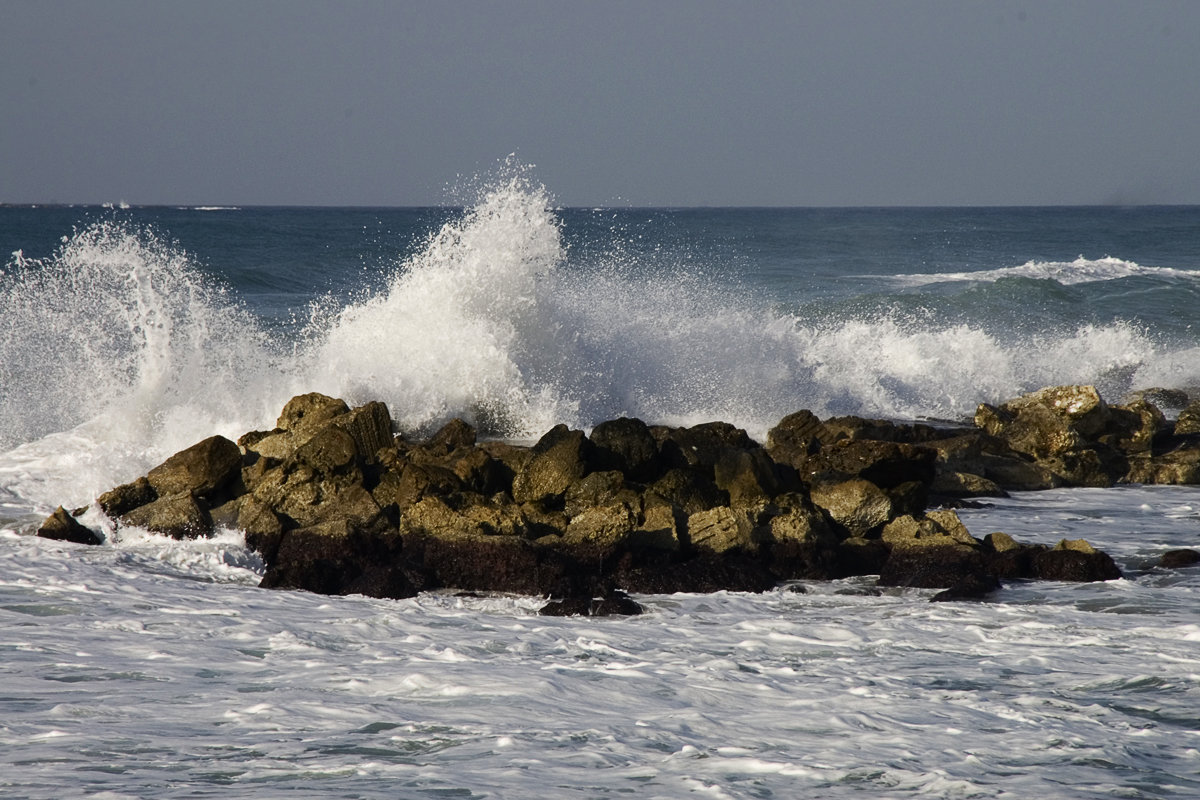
(147, 672)
(1068, 273)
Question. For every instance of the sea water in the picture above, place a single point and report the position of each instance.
(152, 668)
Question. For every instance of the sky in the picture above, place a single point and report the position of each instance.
(671, 103)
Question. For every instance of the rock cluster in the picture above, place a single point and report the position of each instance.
(337, 504)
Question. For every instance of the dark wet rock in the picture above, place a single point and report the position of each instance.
(934, 566)
(689, 490)
(796, 437)
(703, 445)
(749, 477)
(1178, 559)
(973, 587)
(454, 435)
(615, 603)
(339, 558)
(179, 515)
(1074, 560)
(627, 445)
(860, 556)
(63, 527)
(126, 497)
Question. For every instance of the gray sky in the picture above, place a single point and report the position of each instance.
(845, 102)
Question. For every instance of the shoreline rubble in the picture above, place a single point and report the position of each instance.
(336, 503)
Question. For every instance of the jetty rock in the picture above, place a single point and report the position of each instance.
(337, 502)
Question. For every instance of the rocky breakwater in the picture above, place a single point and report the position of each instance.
(337, 504)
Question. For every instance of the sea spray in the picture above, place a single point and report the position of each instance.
(116, 351)
(443, 338)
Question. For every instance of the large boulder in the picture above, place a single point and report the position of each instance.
(559, 458)
(627, 445)
(1074, 560)
(179, 515)
(858, 506)
(200, 469)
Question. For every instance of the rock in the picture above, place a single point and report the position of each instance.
(1134, 427)
(614, 603)
(595, 489)
(935, 566)
(369, 426)
(336, 504)
(627, 445)
(330, 452)
(1179, 467)
(689, 491)
(885, 464)
(1074, 560)
(803, 545)
(936, 528)
(309, 412)
(484, 563)
(718, 531)
(1018, 475)
(63, 527)
(857, 505)
(796, 437)
(127, 497)
(965, 484)
(600, 531)
(1160, 397)
(178, 515)
(879, 430)
(338, 558)
(860, 556)
(261, 526)
(658, 528)
(200, 469)
(558, 459)
(1189, 419)
(480, 472)
(703, 445)
(1178, 559)
(747, 476)
(454, 435)
(973, 587)
(1033, 429)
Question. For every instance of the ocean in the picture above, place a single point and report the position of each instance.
(151, 668)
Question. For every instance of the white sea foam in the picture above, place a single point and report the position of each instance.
(146, 671)
(1068, 273)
